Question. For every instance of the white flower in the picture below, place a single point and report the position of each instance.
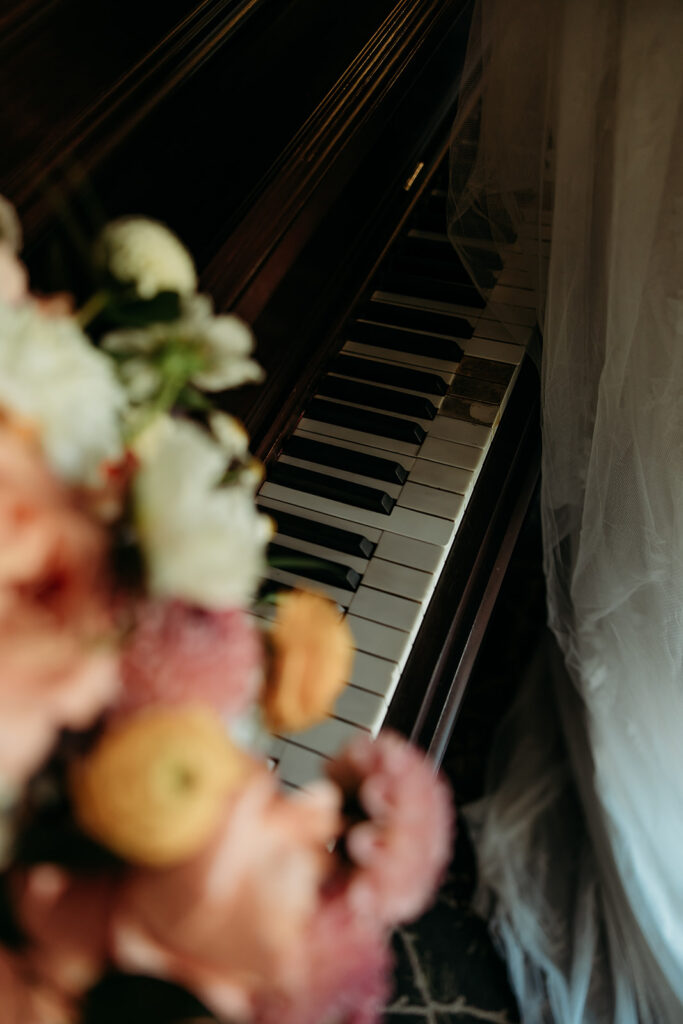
(225, 342)
(147, 255)
(231, 436)
(51, 374)
(13, 276)
(203, 540)
(10, 225)
(218, 348)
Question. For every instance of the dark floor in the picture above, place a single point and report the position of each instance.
(447, 970)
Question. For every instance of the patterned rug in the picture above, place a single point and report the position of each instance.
(447, 969)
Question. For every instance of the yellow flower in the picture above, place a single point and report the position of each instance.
(154, 788)
(311, 661)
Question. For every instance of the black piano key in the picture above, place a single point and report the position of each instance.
(376, 397)
(477, 390)
(419, 287)
(322, 570)
(345, 458)
(385, 373)
(475, 224)
(486, 369)
(441, 269)
(366, 422)
(320, 533)
(483, 259)
(415, 319)
(394, 339)
(430, 213)
(310, 482)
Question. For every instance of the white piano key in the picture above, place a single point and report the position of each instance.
(400, 520)
(316, 551)
(290, 578)
(352, 446)
(381, 444)
(274, 748)
(400, 580)
(415, 554)
(264, 615)
(327, 737)
(342, 474)
(516, 278)
(491, 327)
(514, 296)
(533, 247)
(374, 638)
(483, 413)
(366, 710)
(428, 236)
(431, 500)
(369, 532)
(386, 609)
(413, 359)
(509, 314)
(532, 215)
(501, 351)
(451, 453)
(449, 429)
(299, 766)
(518, 261)
(372, 673)
(447, 478)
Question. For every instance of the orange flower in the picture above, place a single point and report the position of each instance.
(311, 661)
(155, 786)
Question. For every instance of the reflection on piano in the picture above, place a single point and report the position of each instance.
(300, 151)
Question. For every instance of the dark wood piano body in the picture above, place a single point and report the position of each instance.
(277, 139)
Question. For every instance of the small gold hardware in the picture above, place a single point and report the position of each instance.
(413, 177)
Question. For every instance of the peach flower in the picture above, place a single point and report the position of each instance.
(399, 830)
(347, 978)
(66, 920)
(234, 921)
(28, 999)
(154, 787)
(178, 652)
(58, 671)
(311, 661)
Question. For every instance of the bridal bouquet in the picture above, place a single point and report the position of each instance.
(151, 866)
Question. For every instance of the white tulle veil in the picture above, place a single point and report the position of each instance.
(571, 117)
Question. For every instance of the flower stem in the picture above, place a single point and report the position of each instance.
(93, 307)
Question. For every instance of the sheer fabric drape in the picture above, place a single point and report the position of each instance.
(576, 106)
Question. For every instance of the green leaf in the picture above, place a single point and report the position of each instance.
(126, 310)
(194, 399)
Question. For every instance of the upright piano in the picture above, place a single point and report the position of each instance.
(300, 150)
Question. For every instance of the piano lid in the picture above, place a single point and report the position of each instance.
(274, 139)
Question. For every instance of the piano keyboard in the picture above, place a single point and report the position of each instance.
(374, 482)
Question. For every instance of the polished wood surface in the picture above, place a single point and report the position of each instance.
(280, 140)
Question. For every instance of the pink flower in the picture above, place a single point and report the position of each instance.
(347, 977)
(13, 276)
(66, 920)
(28, 999)
(56, 670)
(178, 653)
(399, 828)
(233, 921)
